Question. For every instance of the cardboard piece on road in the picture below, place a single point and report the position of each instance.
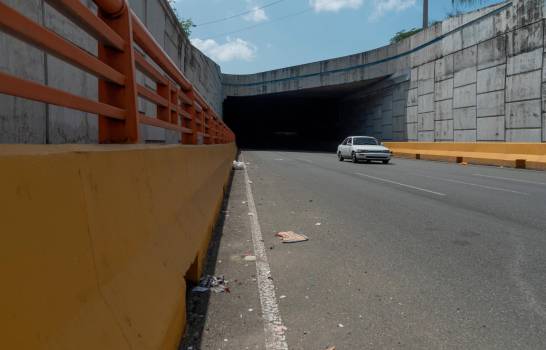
(291, 237)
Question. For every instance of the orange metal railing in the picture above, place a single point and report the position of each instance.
(124, 46)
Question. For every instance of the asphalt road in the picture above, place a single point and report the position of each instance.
(410, 255)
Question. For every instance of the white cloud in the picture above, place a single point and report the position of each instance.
(257, 15)
(334, 5)
(383, 6)
(232, 49)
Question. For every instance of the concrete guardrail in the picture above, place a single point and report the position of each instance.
(97, 242)
(517, 155)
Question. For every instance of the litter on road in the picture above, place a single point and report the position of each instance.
(291, 237)
(213, 283)
(238, 165)
(318, 224)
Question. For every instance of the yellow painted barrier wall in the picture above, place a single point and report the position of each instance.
(519, 155)
(482, 147)
(97, 241)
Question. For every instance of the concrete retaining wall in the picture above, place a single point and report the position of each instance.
(474, 77)
(483, 83)
(370, 65)
(97, 242)
(24, 121)
(379, 111)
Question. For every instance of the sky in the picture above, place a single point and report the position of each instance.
(292, 32)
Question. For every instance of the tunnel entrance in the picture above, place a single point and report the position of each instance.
(309, 119)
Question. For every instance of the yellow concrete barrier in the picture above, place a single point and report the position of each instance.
(97, 242)
(518, 155)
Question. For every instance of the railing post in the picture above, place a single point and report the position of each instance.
(164, 113)
(125, 97)
(193, 121)
(174, 112)
(204, 124)
(212, 130)
(175, 100)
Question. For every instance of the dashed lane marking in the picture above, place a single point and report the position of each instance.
(402, 184)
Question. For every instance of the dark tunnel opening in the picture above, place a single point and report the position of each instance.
(284, 123)
(309, 119)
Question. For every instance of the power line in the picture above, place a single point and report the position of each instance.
(239, 14)
(260, 24)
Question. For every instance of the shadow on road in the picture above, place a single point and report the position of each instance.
(197, 304)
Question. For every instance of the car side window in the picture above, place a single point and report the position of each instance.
(349, 142)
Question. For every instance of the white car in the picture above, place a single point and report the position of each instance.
(363, 148)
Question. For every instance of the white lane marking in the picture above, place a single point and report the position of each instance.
(401, 184)
(475, 185)
(511, 179)
(275, 338)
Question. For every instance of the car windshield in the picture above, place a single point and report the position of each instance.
(364, 141)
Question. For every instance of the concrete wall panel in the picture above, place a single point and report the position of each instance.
(444, 110)
(425, 136)
(426, 103)
(491, 79)
(491, 104)
(491, 129)
(426, 121)
(443, 90)
(465, 66)
(444, 68)
(412, 131)
(523, 135)
(464, 136)
(525, 62)
(412, 114)
(443, 130)
(525, 114)
(412, 98)
(464, 118)
(464, 96)
(524, 86)
(492, 52)
(525, 39)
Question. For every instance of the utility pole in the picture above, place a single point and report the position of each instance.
(425, 14)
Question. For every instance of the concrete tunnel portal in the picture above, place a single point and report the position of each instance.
(308, 119)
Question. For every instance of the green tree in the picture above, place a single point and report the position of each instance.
(185, 23)
(403, 34)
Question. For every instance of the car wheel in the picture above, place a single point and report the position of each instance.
(386, 161)
(355, 160)
(340, 157)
